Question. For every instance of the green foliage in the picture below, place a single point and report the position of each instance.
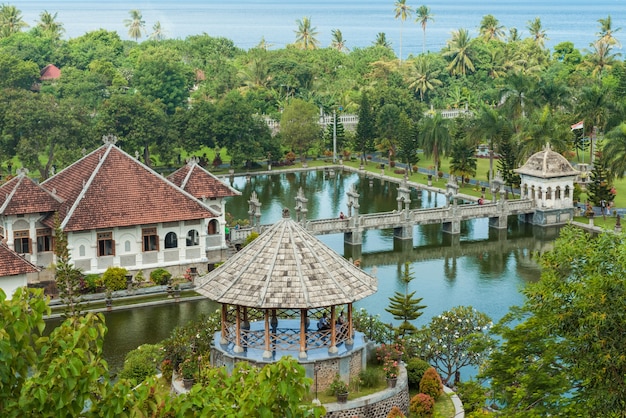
(142, 362)
(191, 340)
(160, 276)
(405, 307)
(422, 405)
(431, 383)
(251, 237)
(68, 279)
(189, 368)
(456, 338)
(93, 282)
(299, 126)
(371, 326)
(337, 386)
(600, 187)
(114, 278)
(560, 352)
(167, 370)
(415, 369)
(473, 395)
(370, 377)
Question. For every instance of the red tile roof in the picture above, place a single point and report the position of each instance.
(21, 195)
(108, 188)
(50, 72)
(200, 183)
(11, 264)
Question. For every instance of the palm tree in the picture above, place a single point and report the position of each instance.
(489, 125)
(434, 137)
(158, 33)
(424, 76)
(305, 35)
(10, 20)
(540, 128)
(423, 16)
(136, 24)
(607, 31)
(402, 11)
(491, 29)
(338, 42)
(615, 150)
(537, 31)
(381, 40)
(601, 59)
(459, 49)
(515, 97)
(48, 24)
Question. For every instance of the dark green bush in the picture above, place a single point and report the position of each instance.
(142, 362)
(114, 278)
(160, 276)
(472, 394)
(431, 383)
(370, 377)
(193, 339)
(93, 282)
(422, 406)
(415, 369)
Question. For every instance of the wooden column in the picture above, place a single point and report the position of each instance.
(303, 315)
(350, 328)
(267, 353)
(224, 315)
(238, 348)
(333, 331)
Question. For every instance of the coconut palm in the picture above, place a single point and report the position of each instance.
(403, 11)
(49, 25)
(489, 126)
(338, 42)
(607, 31)
(423, 76)
(381, 40)
(615, 150)
(10, 20)
(516, 95)
(434, 137)
(306, 34)
(423, 16)
(540, 128)
(136, 25)
(491, 29)
(601, 59)
(158, 33)
(461, 53)
(537, 32)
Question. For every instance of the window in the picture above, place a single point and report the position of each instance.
(171, 240)
(44, 240)
(127, 246)
(81, 251)
(106, 245)
(150, 239)
(193, 238)
(213, 228)
(21, 242)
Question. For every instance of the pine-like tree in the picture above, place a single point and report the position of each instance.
(340, 135)
(365, 129)
(462, 157)
(67, 277)
(407, 141)
(507, 161)
(600, 187)
(405, 306)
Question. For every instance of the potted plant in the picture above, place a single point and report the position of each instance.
(339, 388)
(188, 370)
(391, 372)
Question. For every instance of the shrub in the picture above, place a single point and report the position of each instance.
(160, 276)
(370, 377)
(395, 413)
(415, 369)
(253, 235)
(399, 171)
(93, 282)
(338, 386)
(114, 278)
(472, 394)
(197, 333)
(422, 405)
(392, 164)
(431, 383)
(142, 362)
(167, 369)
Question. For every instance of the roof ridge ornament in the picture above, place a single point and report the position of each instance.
(109, 139)
(286, 213)
(21, 172)
(193, 160)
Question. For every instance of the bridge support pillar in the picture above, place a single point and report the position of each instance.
(452, 227)
(499, 222)
(353, 238)
(402, 245)
(404, 232)
(354, 252)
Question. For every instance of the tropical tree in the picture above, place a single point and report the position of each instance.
(560, 354)
(607, 31)
(601, 60)
(423, 76)
(515, 97)
(306, 34)
(136, 25)
(158, 33)
(11, 20)
(491, 29)
(540, 128)
(299, 126)
(49, 25)
(423, 17)
(381, 40)
(407, 141)
(537, 32)
(405, 306)
(387, 119)
(338, 42)
(434, 137)
(365, 129)
(508, 160)
(615, 150)
(462, 155)
(455, 339)
(459, 51)
(600, 188)
(67, 277)
(402, 11)
(488, 125)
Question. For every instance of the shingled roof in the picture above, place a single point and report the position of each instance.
(287, 267)
(21, 195)
(547, 164)
(11, 264)
(108, 188)
(199, 182)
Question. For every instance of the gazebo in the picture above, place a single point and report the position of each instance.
(273, 293)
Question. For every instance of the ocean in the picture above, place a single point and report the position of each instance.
(246, 22)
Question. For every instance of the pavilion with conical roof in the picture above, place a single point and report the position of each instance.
(274, 292)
